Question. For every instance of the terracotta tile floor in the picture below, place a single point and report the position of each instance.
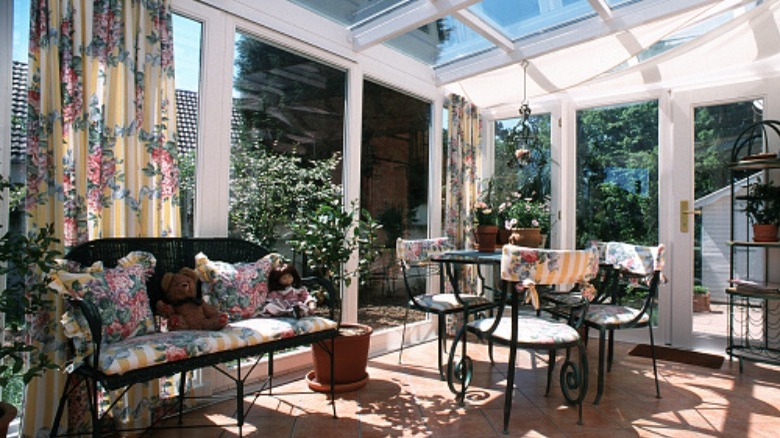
(410, 400)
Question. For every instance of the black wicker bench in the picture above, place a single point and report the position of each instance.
(171, 254)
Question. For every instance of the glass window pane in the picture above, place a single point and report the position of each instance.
(187, 39)
(526, 179)
(394, 189)
(287, 139)
(519, 19)
(349, 12)
(440, 41)
(716, 127)
(617, 174)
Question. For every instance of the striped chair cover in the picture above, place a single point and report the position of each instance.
(533, 266)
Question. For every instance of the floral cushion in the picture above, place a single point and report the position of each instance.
(238, 289)
(446, 302)
(605, 315)
(532, 331)
(145, 351)
(118, 293)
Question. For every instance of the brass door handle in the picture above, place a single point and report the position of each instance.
(684, 212)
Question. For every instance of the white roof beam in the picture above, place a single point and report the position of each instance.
(406, 18)
(602, 8)
(622, 19)
(487, 31)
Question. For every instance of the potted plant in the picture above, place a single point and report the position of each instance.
(763, 206)
(25, 261)
(701, 298)
(328, 237)
(527, 219)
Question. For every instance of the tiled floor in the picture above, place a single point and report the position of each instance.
(410, 400)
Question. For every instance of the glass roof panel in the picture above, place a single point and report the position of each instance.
(349, 12)
(686, 34)
(519, 19)
(440, 41)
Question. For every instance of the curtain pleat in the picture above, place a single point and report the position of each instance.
(101, 155)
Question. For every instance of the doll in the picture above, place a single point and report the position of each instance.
(286, 296)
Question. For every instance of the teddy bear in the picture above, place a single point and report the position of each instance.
(183, 308)
(286, 296)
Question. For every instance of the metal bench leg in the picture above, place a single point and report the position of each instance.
(403, 333)
(182, 386)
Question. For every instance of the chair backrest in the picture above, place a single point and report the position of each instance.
(637, 263)
(548, 266)
(172, 253)
(414, 256)
(412, 252)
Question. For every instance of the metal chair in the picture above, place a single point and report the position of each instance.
(639, 268)
(417, 267)
(522, 270)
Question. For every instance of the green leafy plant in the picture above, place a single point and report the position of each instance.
(700, 290)
(520, 212)
(484, 214)
(25, 263)
(330, 234)
(763, 203)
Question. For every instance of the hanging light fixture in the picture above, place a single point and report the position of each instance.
(525, 134)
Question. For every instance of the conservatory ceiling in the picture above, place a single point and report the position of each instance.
(475, 48)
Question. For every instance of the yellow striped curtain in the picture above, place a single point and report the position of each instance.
(101, 159)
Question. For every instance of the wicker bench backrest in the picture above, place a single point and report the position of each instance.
(172, 253)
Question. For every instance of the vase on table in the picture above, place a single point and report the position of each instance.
(486, 238)
(530, 237)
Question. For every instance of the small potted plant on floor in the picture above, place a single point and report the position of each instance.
(701, 298)
(328, 237)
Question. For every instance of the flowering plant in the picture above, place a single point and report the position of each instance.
(518, 212)
(484, 214)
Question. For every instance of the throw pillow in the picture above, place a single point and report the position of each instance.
(239, 289)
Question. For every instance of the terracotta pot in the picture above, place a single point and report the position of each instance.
(764, 233)
(350, 360)
(7, 415)
(701, 302)
(486, 238)
(530, 237)
(502, 238)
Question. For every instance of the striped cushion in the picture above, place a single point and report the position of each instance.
(155, 349)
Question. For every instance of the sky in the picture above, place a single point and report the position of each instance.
(186, 40)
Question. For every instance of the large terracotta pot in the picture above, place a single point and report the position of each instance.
(350, 360)
(7, 415)
(486, 238)
(764, 233)
(530, 237)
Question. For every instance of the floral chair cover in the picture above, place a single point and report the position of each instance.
(532, 266)
(420, 251)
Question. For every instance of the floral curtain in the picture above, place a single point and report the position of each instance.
(101, 149)
(464, 159)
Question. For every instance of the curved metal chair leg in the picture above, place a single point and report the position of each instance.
(490, 352)
(510, 387)
(655, 368)
(600, 386)
(610, 349)
(442, 329)
(462, 370)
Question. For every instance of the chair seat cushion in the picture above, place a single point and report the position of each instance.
(605, 314)
(531, 330)
(159, 348)
(446, 302)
